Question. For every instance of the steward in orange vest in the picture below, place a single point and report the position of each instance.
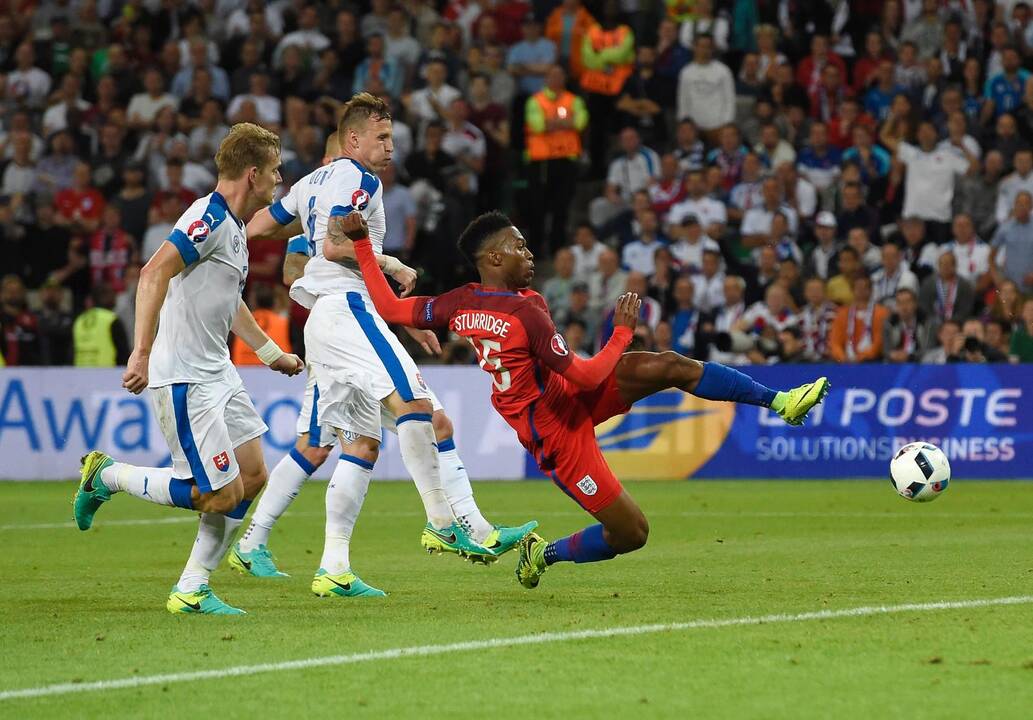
(608, 57)
(553, 121)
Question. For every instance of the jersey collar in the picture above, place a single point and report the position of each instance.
(218, 199)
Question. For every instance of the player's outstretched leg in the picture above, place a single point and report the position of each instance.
(500, 539)
(344, 497)
(219, 524)
(102, 477)
(251, 555)
(622, 529)
(640, 374)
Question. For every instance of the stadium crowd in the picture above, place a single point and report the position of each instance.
(782, 181)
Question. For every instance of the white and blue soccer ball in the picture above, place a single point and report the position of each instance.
(920, 472)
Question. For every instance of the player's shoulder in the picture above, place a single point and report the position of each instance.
(205, 216)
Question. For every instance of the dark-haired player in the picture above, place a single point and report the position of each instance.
(549, 396)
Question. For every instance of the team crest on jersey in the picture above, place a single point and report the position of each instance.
(419, 379)
(222, 461)
(559, 346)
(587, 485)
(360, 199)
(198, 231)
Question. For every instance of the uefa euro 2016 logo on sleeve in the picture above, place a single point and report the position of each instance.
(360, 199)
(198, 231)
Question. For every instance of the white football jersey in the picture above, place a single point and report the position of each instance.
(340, 188)
(194, 325)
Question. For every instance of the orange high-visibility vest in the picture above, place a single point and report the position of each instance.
(599, 81)
(276, 326)
(554, 144)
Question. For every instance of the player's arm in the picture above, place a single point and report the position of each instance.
(295, 260)
(338, 247)
(589, 374)
(247, 329)
(164, 265)
(405, 311)
(264, 224)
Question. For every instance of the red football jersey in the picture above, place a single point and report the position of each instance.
(514, 337)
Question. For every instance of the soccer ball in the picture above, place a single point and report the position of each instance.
(920, 472)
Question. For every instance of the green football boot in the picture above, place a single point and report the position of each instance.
(531, 565)
(796, 403)
(257, 563)
(501, 540)
(91, 493)
(201, 602)
(346, 584)
(453, 539)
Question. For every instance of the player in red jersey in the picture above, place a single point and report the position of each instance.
(550, 397)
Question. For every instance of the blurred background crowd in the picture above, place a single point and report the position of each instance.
(784, 181)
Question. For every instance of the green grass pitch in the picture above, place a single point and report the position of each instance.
(85, 607)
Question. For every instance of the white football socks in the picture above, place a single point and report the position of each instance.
(420, 456)
(214, 537)
(147, 483)
(344, 497)
(459, 492)
(284, 483)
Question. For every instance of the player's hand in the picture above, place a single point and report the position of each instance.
(354, 226)
(289, 364)
(427, 339)
(626, 314)
(134, 379)
(406, 277)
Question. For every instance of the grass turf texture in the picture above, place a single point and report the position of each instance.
(90, 606)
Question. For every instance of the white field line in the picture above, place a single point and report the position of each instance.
(910, 517)
(495, 643)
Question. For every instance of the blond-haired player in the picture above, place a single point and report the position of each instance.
(187, 303)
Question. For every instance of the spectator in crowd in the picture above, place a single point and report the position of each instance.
(976, 195)
(638, 255)
(530, 59)
(756, 224)
(557, 289)
(819, 161)
(1021, 180)
(867, 253)
(554, 120)
(946, 295)
(772, 148)
(706, 89)
(400, 234)
(144, 106)
(99, 338)
(857, 332)
(54, 323)
(950, 342)
(855, 213)
(684, 317)
(717, 325)
(1015, 238)
(378, 69)
(18, 324)
(1007, 304)
(690, 243)
(815, 320)
(27, 84)
(668, 188)
(578, 311)
(709, 212)
(633, 170)
(1022, 338)
(688, 147)
(974, 348)
(840, 289)
(809, 70)
(971, 253)
(575, 334)
(931, 175)
(1004, 89)
(907, 334)
(80, 206)
(606, 283)
(997, 335)
(642, 97)
(586, 249)
(892, 276)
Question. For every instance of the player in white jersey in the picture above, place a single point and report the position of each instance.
(358, 413)
(188, 301)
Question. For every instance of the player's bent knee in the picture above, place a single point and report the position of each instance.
(443, 428)
(223, 500)
(680, 369)
(418, 406)
(363, 448)
(316, 455)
